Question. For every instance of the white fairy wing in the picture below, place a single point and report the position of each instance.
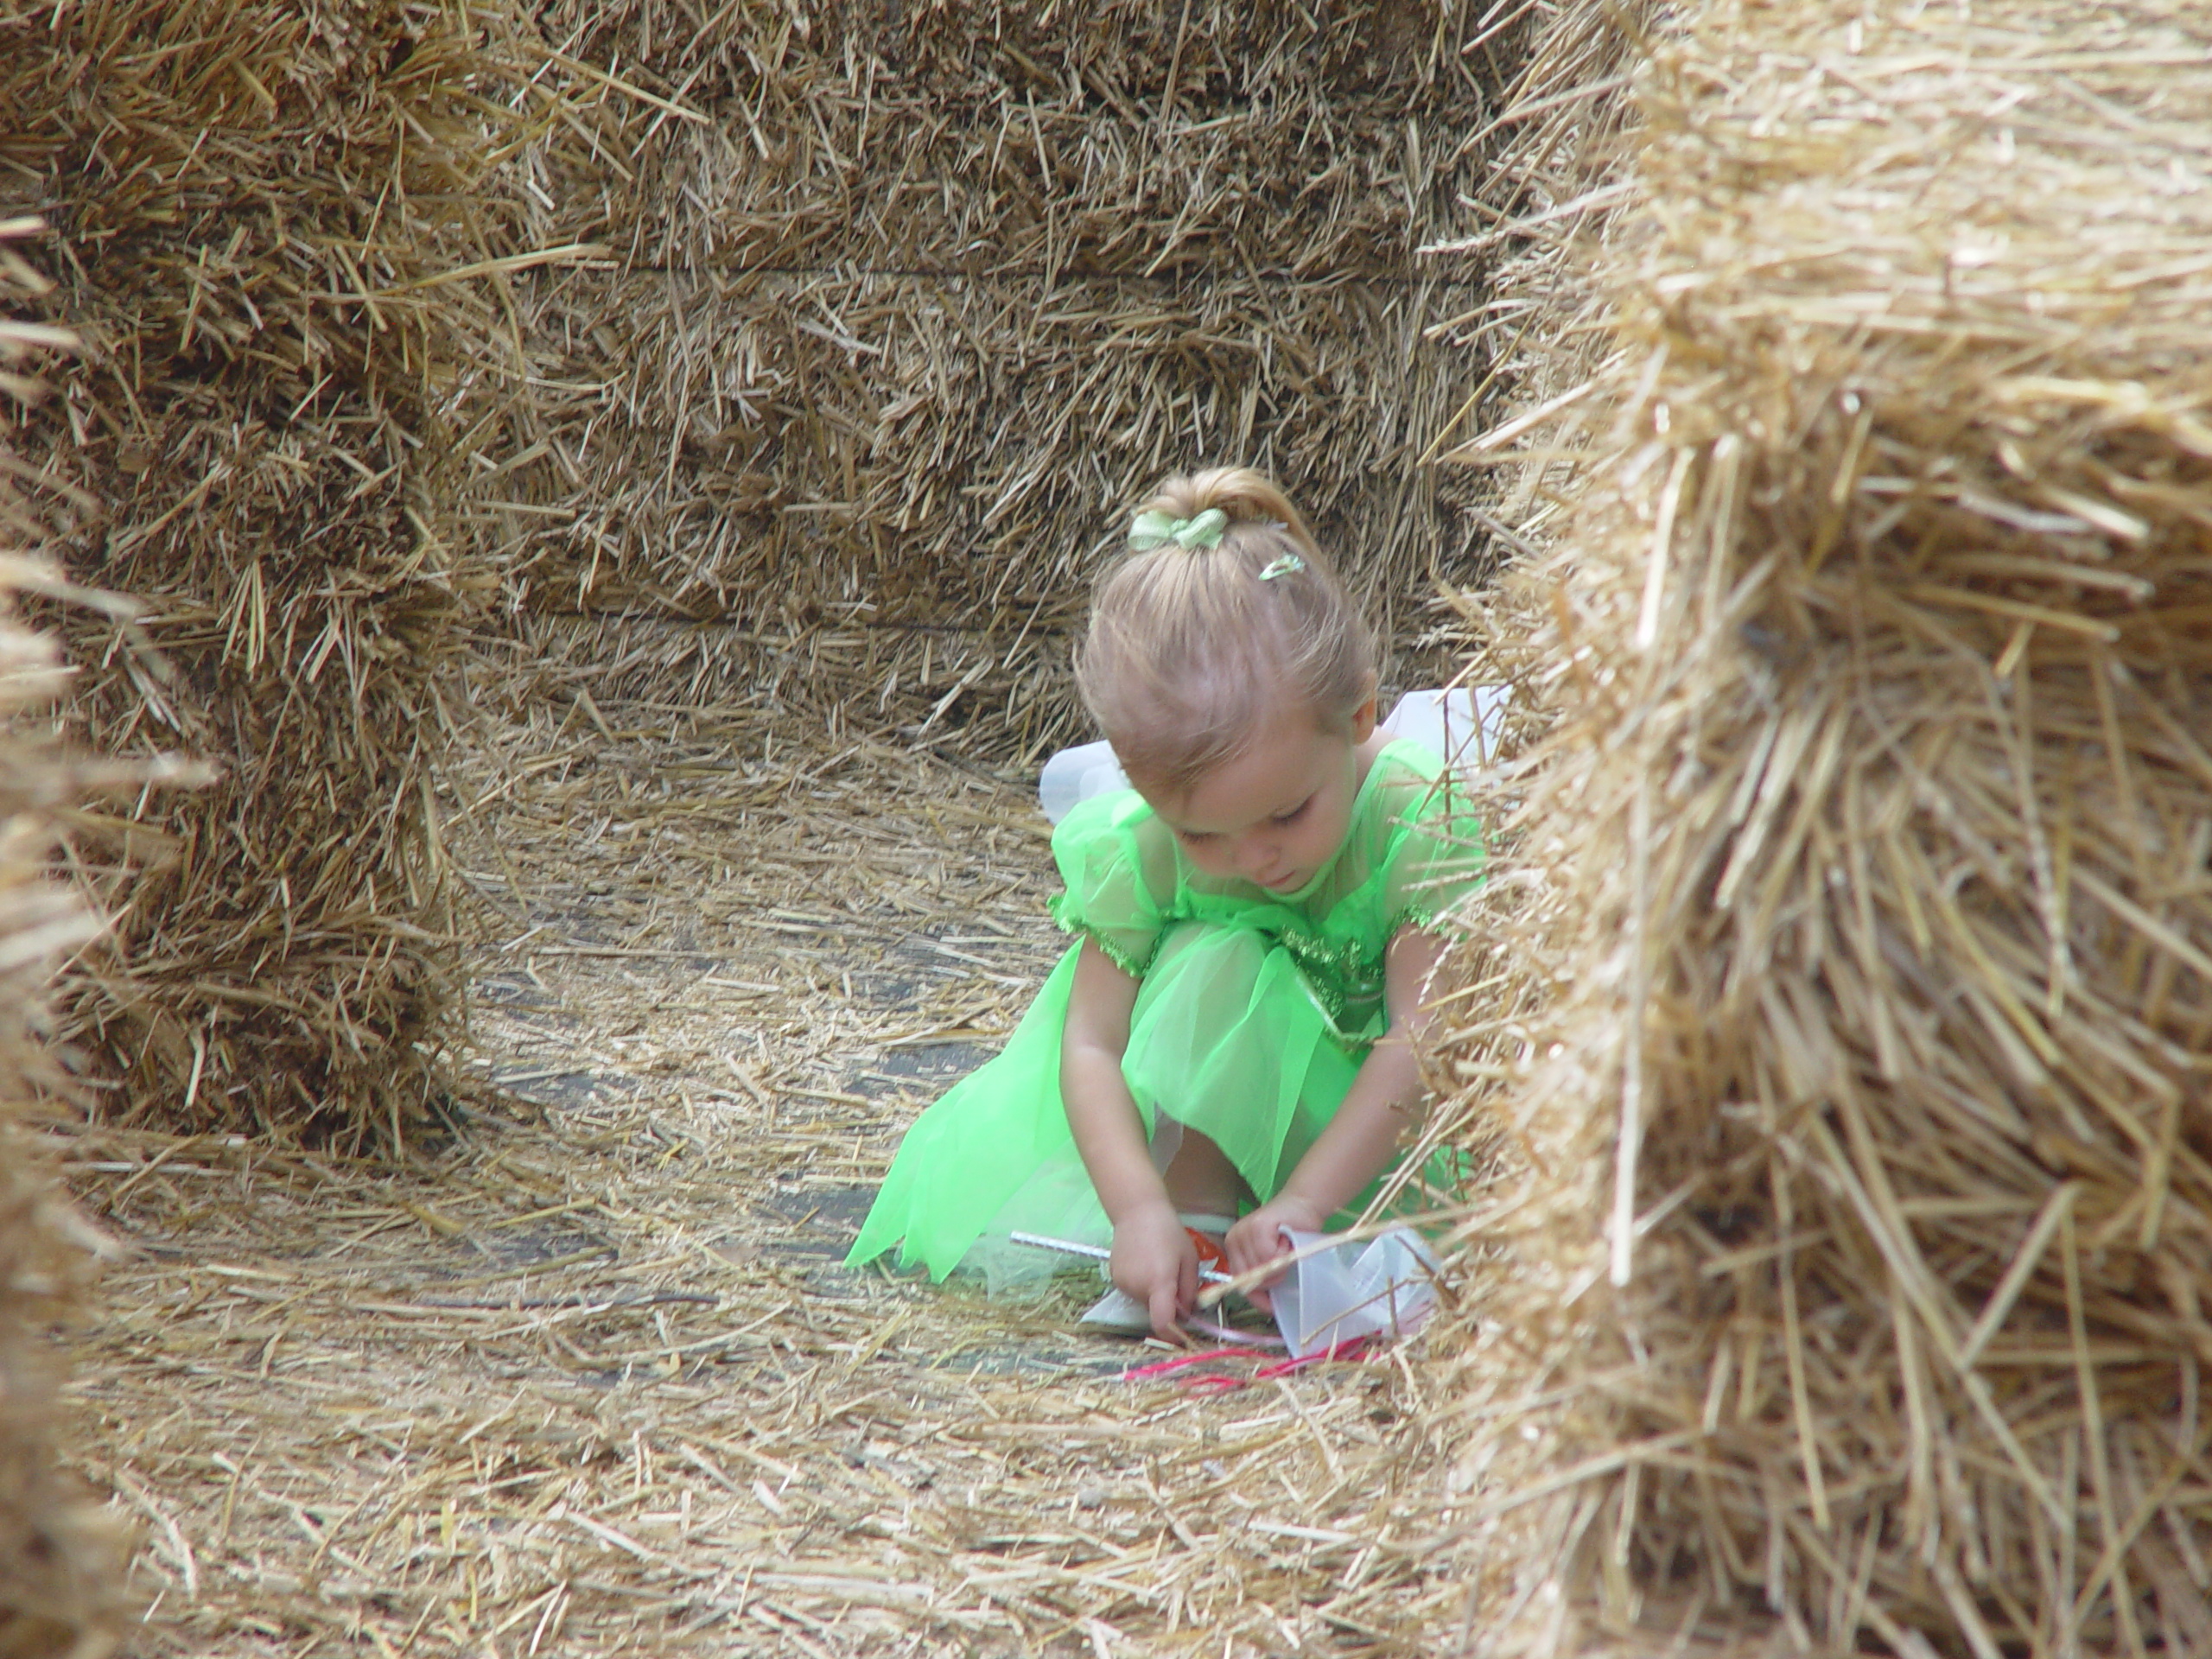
(1463, 724)
(1073, 776)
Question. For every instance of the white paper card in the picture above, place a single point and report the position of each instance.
(1378, 1287)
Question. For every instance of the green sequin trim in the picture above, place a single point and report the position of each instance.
(1414, 913)
(1344, 977)
(1113, 952)
(1418, 916)
(1341, 974)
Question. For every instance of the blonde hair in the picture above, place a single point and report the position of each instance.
(1189, 650)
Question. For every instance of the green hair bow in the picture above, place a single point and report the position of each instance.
(1153, 529)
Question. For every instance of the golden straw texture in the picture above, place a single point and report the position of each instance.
(261, 212)
(1860, 1202)
(910, 306)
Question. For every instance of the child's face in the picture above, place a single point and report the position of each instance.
(1277, 813)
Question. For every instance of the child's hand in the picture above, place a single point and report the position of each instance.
(1154, 1262)
(1257, 1240)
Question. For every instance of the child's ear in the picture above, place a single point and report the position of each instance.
(1363, 718)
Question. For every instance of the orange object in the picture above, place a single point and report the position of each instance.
(1211, 1254)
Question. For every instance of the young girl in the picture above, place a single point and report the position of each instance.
(1227, 1048)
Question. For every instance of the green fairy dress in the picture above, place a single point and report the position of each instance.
(1254, 1011)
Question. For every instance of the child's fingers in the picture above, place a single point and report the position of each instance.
(1251, 1247)
(1178, 1296)
(1167, 1307)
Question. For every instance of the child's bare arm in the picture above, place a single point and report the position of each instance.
(1382, 1107)
(1153, 1259)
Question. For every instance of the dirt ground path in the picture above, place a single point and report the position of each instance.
(587, 1377)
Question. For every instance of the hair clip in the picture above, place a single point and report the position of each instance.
(1289, 565)
(1153, 529)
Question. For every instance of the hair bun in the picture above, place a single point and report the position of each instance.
(1240, 495)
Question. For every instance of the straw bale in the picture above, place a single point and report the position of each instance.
(910, 305)
(1846, 1268)
(264, 229)
(60, 1566)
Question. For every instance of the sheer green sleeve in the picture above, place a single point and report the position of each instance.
(1434, 851)
(1118, 861)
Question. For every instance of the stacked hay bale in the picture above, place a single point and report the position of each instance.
(913, 302)
(60, 1571)
(263, 212)
(1857, 1214)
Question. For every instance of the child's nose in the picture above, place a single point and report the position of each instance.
(1257, 855)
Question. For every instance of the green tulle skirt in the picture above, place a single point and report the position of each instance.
(1227, 1038)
